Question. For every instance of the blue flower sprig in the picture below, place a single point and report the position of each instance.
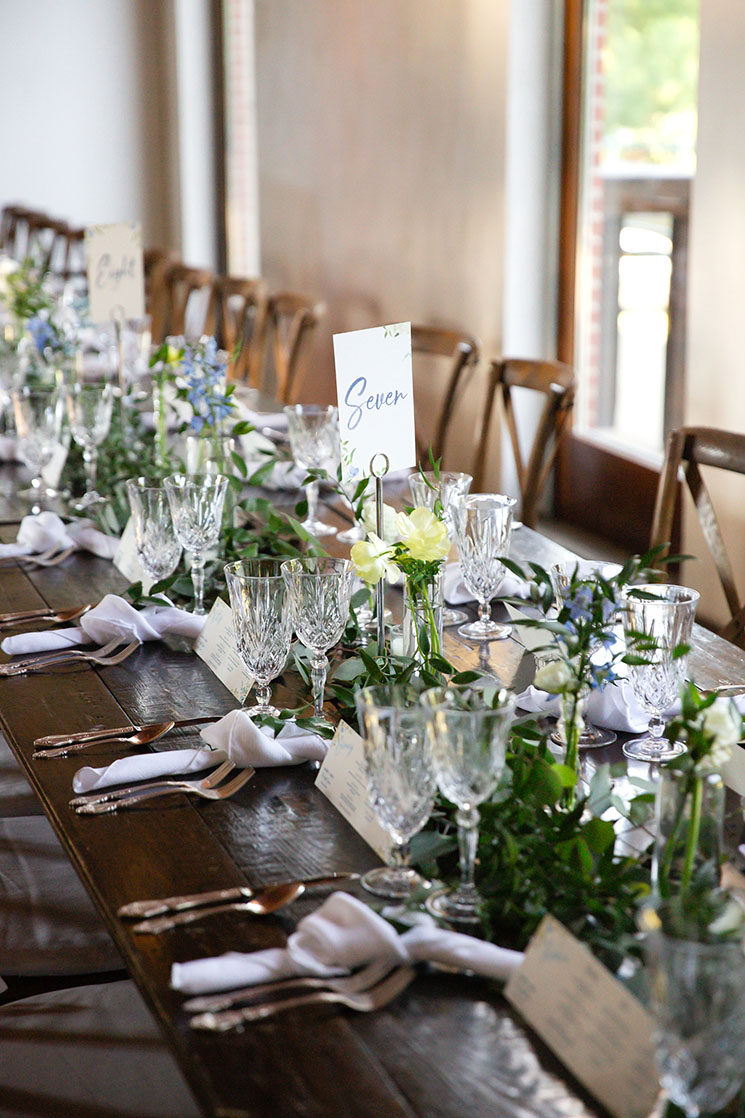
(204, 370)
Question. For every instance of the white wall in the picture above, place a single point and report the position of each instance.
(716, 354)
(85, 115)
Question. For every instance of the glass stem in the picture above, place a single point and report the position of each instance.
(311, 496)
(485, 612)
(656, 730)
(90, 462)
(319, 666)
(263, 694)
(467, 819)
(197, 580)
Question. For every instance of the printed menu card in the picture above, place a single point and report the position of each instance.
(116, 276)
(343, 781)
(375, 389)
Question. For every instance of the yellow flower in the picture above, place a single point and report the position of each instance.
(173, 355)
(423, 534)
(371, 561)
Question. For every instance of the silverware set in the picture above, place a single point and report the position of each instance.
(61, 745)
(102, 657)
(209, 788)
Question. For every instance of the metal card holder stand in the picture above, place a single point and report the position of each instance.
(380, 588)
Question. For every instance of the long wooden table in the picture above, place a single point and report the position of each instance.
(449, 1046)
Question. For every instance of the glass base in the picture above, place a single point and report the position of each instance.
(352, 535)
(652, 749)
(454, 907)
(262, 708)
(88, 500)
(453, 616)
(485, 631)
(318, 528)
(397, 883)
(592, 737)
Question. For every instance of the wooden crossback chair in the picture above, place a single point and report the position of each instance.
(461, 352)
(173, 303)
(290, 322)
(689, 448)
(556, 382)
(155, 262)
(236, 316)
(15, 231)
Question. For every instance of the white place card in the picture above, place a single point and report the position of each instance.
(52, 472)
(590, 1020)
(733, 771)
(375, 391)
(217, 646)
(127, 560)
(529, 637)
(116, 276)
(343, 781)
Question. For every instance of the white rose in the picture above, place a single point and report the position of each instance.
(731, 919)
(722, 719)
(554, 677)
(369, 521)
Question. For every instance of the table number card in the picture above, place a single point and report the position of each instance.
(217, 646)
(594, 1025)
(343, 781)
(127, 560)
(116, 277)
(375, 392)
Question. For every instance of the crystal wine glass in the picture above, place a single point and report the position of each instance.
(426, 486)
(262, 623)
(158, 549)
(698, 1000)
(468, 743)
(319, 594)
(38, 415)
(400, 779)
(483, 523)
(196, 502)
(89, 405)
(663, 616)
(314, 439)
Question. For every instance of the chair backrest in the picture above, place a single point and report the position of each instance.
(556, 382)
(15, 230)
(690, 448)
(460, 355)
(69, 257)
(236, 316)
(290, 322)
(155, 262)
(181, 302)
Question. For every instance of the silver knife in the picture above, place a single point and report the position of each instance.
(52, 740)
(139, 910)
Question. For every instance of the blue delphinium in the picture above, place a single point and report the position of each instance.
(44, 335)
(204, 370)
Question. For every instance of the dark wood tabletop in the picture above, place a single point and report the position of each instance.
(449, 1046)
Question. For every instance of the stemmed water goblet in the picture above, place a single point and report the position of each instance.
(196, 502)
(658, 621)
(158, 549)
(426, 487)
(89, 406)
(467, 743)
(400, 779)
(483, 524)
(319, 594)
(262, 623)
(38, 413)
(314, 440)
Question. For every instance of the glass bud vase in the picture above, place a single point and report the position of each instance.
(422, 620)
(689, 815)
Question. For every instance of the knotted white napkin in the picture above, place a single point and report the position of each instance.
(146, 766)
(46, 531)
(339, 936)
(112, 617)
(457, 593)
(246, 744)
(614, 707)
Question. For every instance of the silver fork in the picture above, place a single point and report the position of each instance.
(362, 979)
(100, 656)
(363, 1002)
(170, 788)
(209, 781)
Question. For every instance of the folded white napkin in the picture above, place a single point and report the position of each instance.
(246, 744)
(46, 531)
(146, 766)
(112, 617)
(339, 936)
(276, 420)
(614, 707)
(457, 593)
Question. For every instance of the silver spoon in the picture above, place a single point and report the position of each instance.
(142, 737)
